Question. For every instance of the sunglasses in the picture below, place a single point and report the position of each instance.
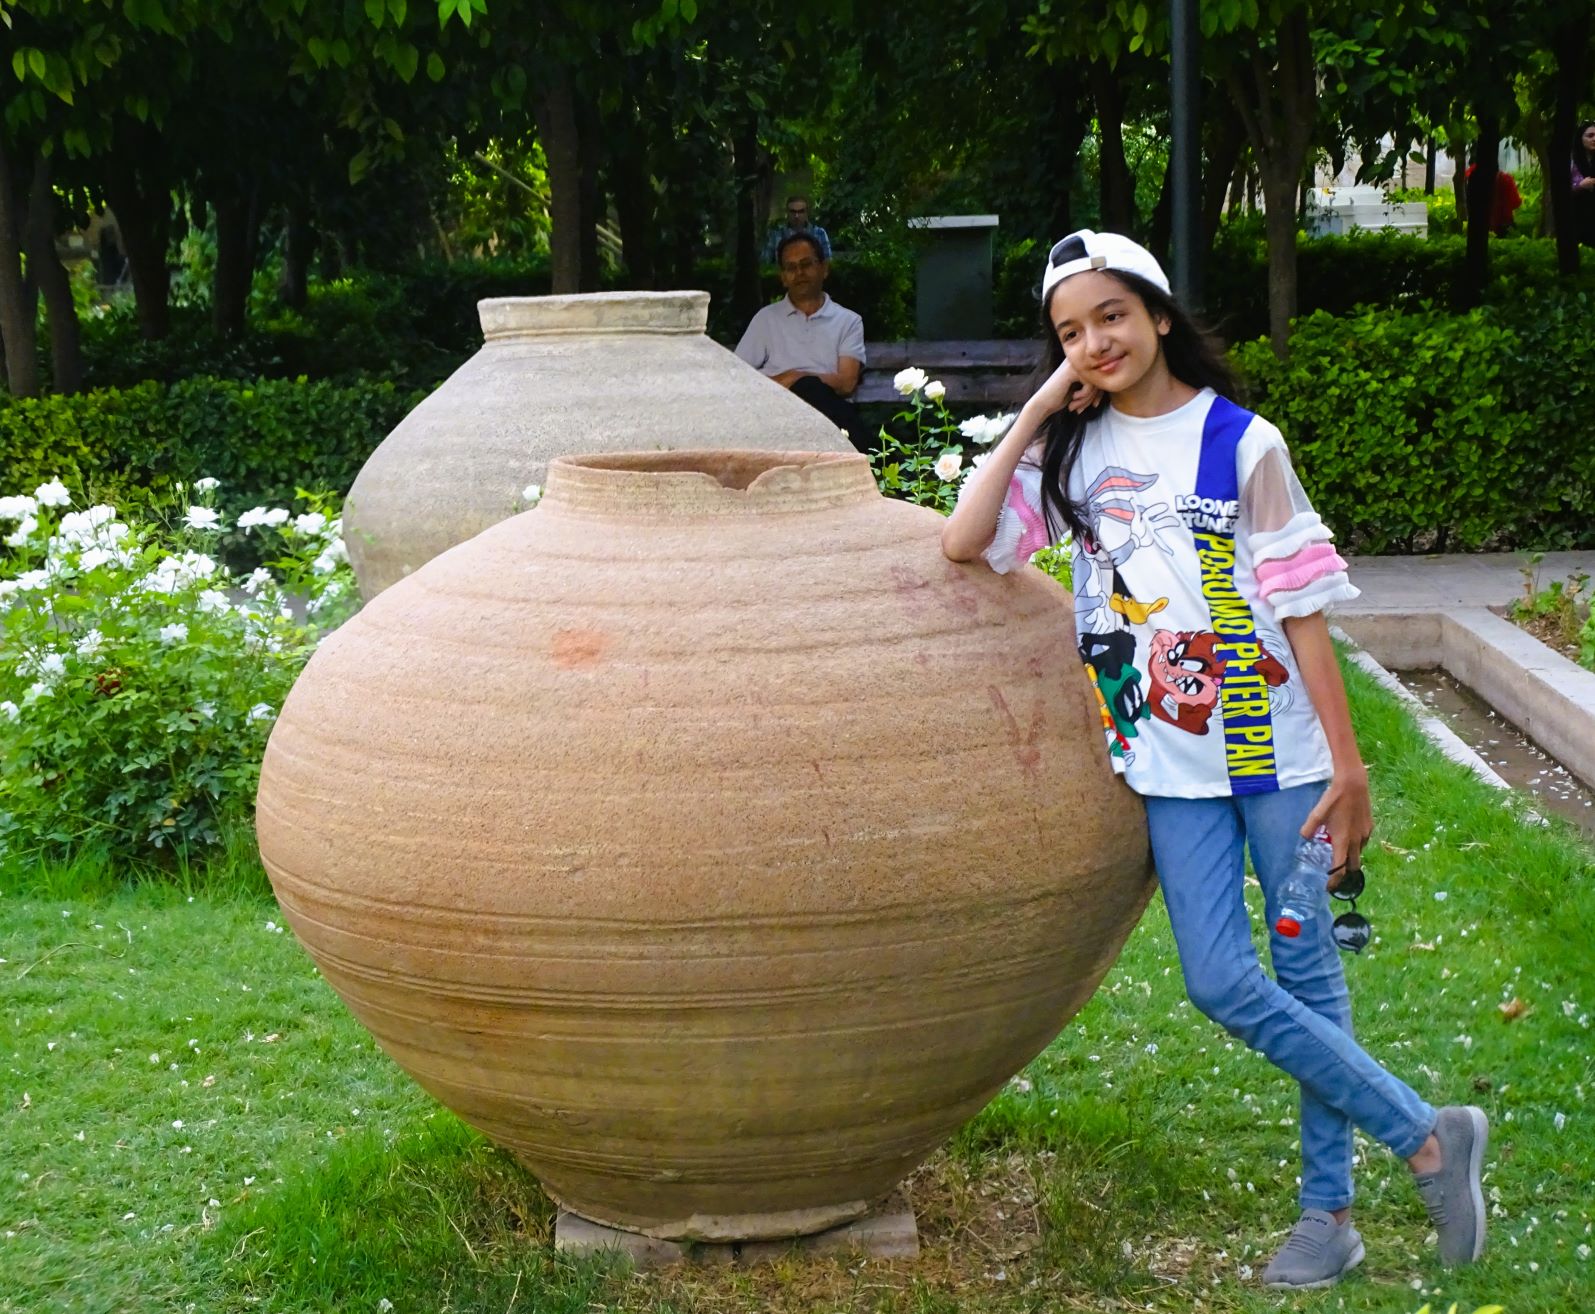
(1351, 931)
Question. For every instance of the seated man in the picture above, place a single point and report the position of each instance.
(808, 343)
(797, 221)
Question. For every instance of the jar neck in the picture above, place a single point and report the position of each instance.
(681, 484)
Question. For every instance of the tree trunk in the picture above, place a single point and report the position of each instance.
(1572, 69)
(44, 266)
(1117, 188)
(236, 206)
(557, 127)
(1069, 125)
(635, 202)
(1481, 194)
(18, 322)
(745, 298)
(592, 208)
(1277, 100)
(1227, 141)
(1162, 223)
(1280, 187)
(298, 250)
(143, 217)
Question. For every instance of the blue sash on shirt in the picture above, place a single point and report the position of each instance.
(1249, 754)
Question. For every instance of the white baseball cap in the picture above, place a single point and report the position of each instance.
(1083, 251)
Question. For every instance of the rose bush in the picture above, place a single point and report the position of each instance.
(929, 468)
(139, 676)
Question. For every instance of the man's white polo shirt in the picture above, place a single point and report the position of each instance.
(781, 337)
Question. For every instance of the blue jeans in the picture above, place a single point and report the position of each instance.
(1302, 1024)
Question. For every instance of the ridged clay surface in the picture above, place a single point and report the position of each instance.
(705, 837)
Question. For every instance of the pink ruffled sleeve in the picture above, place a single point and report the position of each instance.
(1021, 526)
(1297, 569)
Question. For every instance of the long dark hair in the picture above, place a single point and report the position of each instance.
(1584, 160)
(1194, 356)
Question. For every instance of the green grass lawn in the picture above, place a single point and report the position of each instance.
(190, 1120)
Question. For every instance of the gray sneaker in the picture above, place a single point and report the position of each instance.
(1453, 1196)
(1318, 1253)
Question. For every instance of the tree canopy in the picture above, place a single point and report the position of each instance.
(657, 128)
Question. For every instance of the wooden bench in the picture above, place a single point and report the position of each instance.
(990, 372)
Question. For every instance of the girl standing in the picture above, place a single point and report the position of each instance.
(1201, 573)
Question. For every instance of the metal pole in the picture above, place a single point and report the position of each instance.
(1185, 84)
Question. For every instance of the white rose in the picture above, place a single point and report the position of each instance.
(213, 600)
(256, 580)
(90, 643)
(18, 507)
(202, 517)
(9, 710)
(311, 522)
(206, 484)
(23, 532)
(532, 494)
(935, 390)
(53, 493)
(176, 632)
(909, 381)
(330, 556)
(948, 464)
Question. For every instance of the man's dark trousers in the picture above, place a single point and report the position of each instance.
(835, 408)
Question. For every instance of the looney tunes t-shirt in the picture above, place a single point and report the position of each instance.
(1202, 541)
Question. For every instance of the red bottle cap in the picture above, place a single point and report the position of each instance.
(1288, 927)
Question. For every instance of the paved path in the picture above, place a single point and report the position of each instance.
(1441, 583)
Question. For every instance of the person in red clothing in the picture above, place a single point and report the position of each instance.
(1505, 202)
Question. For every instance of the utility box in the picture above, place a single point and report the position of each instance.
(952, 276)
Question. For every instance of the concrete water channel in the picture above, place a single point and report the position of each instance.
(1493, 697)
(1506, 750)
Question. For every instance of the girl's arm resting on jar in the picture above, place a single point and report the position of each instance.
(973, 523)
(1345, 809)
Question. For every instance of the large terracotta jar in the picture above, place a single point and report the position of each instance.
(705, 837)
(598, 372)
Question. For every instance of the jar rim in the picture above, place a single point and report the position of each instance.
(590, 313)
(697, 481)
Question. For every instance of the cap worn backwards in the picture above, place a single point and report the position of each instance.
(1083, 251)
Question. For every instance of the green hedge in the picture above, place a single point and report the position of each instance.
(1424, 430)
(261, 439)
(1339, 274)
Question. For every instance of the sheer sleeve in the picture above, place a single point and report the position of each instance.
(1293, 556)
(1021, 525)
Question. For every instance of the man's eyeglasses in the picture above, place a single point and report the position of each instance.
(800, 266)
(1351, 930)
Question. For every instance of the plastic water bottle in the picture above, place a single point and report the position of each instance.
(1303, 892)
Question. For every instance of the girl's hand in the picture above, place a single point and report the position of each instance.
(1346, 811)
(1063, 390)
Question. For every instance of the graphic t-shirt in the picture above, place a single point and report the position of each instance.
(1202, 541)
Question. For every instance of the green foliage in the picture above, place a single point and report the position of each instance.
(1338, 274)
(1422, 430)
(1561, 607)
(264, 440)
(136, 693)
